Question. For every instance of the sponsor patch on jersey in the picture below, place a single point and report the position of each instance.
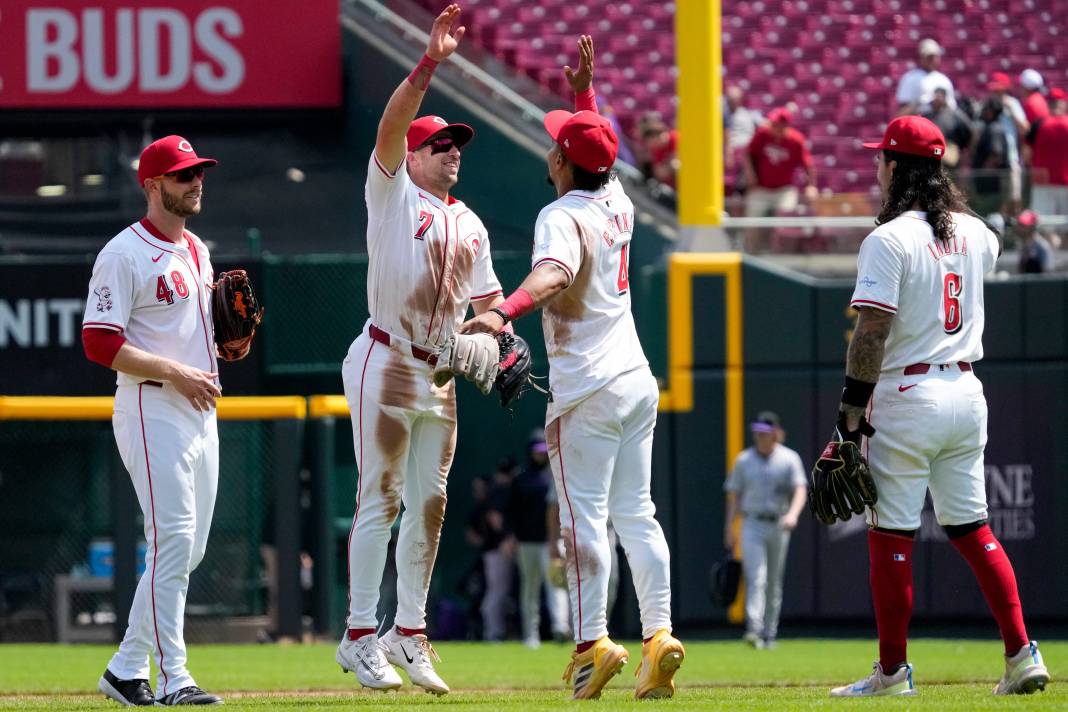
(867, 281)
(103, 299)
(990, 547)
(899, 557)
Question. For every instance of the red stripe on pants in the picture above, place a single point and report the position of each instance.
(155, 538)
(574, 539)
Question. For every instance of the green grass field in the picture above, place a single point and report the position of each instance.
(950, 675)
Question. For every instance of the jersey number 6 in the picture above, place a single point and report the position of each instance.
(952, 286)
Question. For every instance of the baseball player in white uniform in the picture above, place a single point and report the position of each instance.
(429, 260)
(910, 377)
(148, 316)
(600, 420)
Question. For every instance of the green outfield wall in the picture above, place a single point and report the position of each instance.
(785, 352)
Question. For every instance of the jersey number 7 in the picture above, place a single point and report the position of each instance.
(952, 286)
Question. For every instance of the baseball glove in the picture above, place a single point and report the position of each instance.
(473, 356)
(842, 484)
(236, 313)
(515, 364)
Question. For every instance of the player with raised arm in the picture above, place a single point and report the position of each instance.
(149, 317)
(912, 399)
(429, 259)
(600, 421)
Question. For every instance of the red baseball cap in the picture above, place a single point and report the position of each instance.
(1027, 218)
(169, 154)
(912, 134)
(586, 138)
(426, 126)
(1058, 94)
(780, 115)
(999, 81)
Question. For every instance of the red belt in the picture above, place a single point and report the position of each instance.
(920, 369)
(383, 337)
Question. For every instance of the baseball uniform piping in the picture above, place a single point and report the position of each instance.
(571, 511)
(382, 168)
(877, 305)
(494, 293)
(155, 539)
(101, 325)
(359, 474)
(452, 269)
(561, 265)
(441, 275)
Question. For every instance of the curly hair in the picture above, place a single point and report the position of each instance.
(921, 183)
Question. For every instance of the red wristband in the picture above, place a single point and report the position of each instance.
(518, 304)
(420, 76)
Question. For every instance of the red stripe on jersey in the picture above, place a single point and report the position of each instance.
(869, 303)
(101, 325)
(382, 168)
(487, 296)
(441, 274)
(570, 274)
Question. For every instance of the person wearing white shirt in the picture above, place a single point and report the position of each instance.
(917, 86)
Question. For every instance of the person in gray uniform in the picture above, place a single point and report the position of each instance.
(768, 488)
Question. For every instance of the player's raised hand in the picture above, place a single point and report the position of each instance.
(444, 35)
(198, 387)
(581, 79)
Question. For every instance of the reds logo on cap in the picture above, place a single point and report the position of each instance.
(184, 145)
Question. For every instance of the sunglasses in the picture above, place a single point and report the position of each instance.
(186, 175)
(443, 144)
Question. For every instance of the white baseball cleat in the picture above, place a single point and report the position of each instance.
(879, 684)
(1025, 672)
(366, 657)
(413, 654)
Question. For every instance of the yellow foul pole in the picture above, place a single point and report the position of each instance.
(698, 56)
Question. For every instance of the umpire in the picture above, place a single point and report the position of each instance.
(768, 488)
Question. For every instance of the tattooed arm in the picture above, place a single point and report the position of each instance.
(864, 361)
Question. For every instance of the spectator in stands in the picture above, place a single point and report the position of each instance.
(916, 88)
(662, 143)
(739, 123)
(1049, 163)
(991, 157)
(1034, 101)
(1058, 99)
(1016, 126)
(528, 511)
(1036, 254)
(775, 154)
(955, 126)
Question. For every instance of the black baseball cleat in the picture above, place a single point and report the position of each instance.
(130, 693)
(191, 695)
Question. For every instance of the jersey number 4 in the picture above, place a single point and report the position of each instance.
(952, 286)
(623, 280)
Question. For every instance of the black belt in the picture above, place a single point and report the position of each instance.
(157, 384)
(764, 517)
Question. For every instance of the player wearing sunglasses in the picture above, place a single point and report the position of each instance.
(429, 261)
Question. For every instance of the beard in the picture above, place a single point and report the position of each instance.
(175, 205)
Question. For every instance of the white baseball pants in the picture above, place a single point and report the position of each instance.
(404, 433)
(930, 432)
(172, 453)
(601, 455)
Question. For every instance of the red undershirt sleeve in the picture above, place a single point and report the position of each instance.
(101, 345)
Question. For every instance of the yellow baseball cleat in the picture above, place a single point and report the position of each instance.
(661, 657)
(592, 669)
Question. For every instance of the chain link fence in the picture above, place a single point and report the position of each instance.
(59, 506)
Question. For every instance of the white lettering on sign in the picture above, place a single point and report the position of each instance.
(27, 323)
(64, 47)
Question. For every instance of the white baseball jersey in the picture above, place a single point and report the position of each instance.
(589, 330)
(935, 289)
(428, 259)
(153, 292)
